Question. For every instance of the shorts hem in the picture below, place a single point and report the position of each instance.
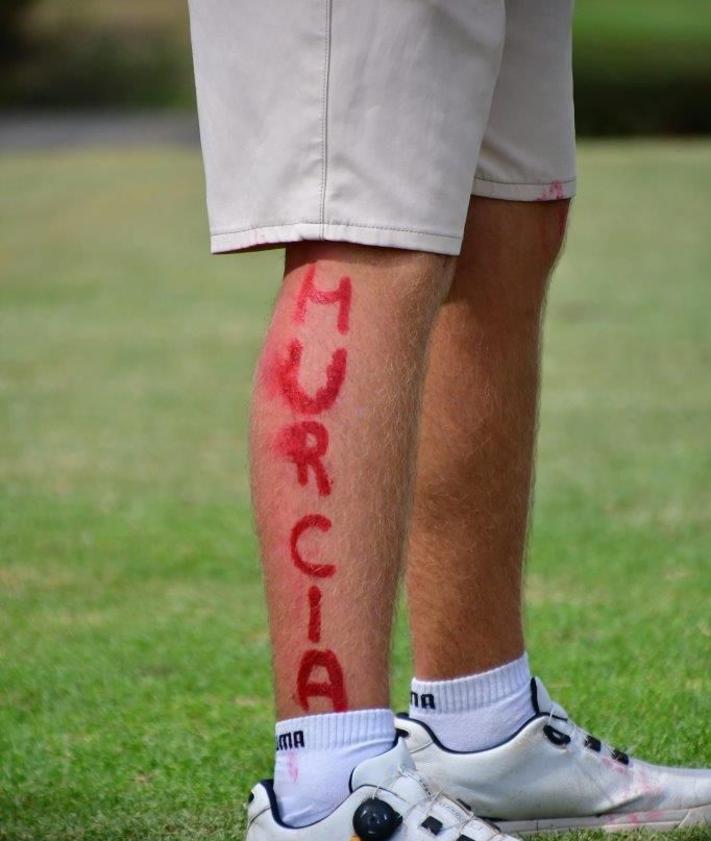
(549, 191)
(275, 236)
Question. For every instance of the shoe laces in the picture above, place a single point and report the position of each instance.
(559, 713)
(432, 799)
(569, 733)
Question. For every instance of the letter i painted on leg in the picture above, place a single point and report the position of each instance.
(314, 614)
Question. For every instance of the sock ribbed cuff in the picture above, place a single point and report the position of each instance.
(329, 731)
(473, 691)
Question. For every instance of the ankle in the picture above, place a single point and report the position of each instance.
(477, 711)
(316, 754)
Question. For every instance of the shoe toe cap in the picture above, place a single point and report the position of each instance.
(678, 788)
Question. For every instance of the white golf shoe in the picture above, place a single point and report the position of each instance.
(552, 776)
(388, 800)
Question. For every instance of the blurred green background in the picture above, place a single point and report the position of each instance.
(641, 66)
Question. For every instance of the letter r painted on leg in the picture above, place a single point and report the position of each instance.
(305, 444)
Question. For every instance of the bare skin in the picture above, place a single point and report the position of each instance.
(333, 438)
(477, 440)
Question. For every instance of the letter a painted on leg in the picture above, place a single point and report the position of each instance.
(333, 687)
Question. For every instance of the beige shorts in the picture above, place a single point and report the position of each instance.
(373, 121)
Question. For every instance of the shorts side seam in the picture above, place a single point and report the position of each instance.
(328, 6)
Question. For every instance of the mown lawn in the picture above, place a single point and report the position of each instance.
(134, 665)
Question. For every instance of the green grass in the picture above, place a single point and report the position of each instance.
(134, 664)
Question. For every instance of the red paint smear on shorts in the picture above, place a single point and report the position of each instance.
(326, 396)
(305, 444)
(314, 614)
(309, 293)
(553, 192)
(310, 521)
(333, 688)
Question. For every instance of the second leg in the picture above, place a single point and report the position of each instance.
(478, 428)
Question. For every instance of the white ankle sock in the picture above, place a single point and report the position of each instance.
(316, 754)
(478, 711)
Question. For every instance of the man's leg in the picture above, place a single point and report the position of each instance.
(473, 689)
(334, 422)
(474, 473)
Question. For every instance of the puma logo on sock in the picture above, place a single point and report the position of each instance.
(290, 741)
(422, 702)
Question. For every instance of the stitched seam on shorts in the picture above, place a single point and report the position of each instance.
(226, 231)
(324, 108)
(525, 183)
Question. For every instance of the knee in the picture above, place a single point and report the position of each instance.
(538, 241)
(553, 224)
(412, 283)
(508, 254)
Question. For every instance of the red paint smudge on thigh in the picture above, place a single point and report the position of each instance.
(305, 444)
(310, 521)
(309, 293)
(325, 396)
(333, 687)
(314, 614)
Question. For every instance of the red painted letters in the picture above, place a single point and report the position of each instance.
(332, 688)
(310, 521)
(305, 443)
(325, 396)
(314, 614)
(340, 296)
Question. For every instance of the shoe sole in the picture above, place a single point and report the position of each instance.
(656, 821)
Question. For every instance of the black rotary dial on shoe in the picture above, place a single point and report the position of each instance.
(375, 820)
